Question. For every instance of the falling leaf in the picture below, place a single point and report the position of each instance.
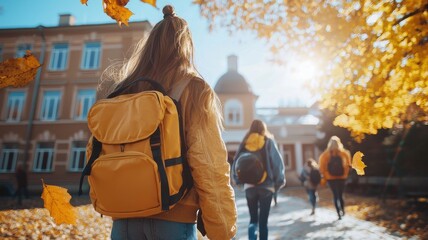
(117, 11)
(85, 2)
(18, 72)
(57, 202)
(357, 163)
(151, 2)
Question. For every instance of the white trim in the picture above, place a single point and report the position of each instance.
(286, 155)
(50, 105)
(59, 57)
(233, 112)
(87, 99)
(38, 159)
(14, 103)
(5, 158)
(88, 53)
(299, 156)
(75, 155)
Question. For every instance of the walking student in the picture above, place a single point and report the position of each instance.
(259, 195)
(310, 177)
(166, 57)
(335, 164)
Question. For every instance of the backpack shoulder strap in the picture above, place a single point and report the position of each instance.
(178, 89)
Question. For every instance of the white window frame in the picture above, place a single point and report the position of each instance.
(15, 103)
(38, 158)
(84, 102)
(234, 108)
(22, 48)
(5, 158)
(75, 157)
(47, 101)
(59, 57)
(91, 52)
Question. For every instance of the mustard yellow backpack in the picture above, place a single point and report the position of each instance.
(137, 155)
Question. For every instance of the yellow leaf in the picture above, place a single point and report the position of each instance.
(151, 2)
(117, 11)
(85, 2)
(57, 202)
(18, 72)
(255, 142)
(358, 164)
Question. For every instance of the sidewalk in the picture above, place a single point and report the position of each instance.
(290, 219)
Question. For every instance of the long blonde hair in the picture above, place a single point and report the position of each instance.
(335, 145)
(166, 56)
(258, 126)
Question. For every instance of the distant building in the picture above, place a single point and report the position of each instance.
(294, 128)
(50, 113)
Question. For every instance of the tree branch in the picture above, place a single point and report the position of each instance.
(410, 14)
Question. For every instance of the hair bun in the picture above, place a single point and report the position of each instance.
(168, 11)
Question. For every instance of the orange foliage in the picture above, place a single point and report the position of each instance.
(371, 54)
(116, 9)
(18, 72)
(57, 201)
(151, 2)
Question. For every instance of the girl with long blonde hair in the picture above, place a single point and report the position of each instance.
(335, 164)
(166, 57)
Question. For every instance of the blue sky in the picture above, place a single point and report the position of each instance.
(275, 85)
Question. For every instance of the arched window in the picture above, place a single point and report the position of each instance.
(233, 113)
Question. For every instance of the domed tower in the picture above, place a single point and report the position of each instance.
(236, 96)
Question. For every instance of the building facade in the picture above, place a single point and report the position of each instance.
(294, 128)
(43, 125)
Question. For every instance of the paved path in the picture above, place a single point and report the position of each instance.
(291, 219)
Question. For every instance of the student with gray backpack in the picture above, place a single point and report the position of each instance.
(335, 164)
(259, 166)
(311, 178)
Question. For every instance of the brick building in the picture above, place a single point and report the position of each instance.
(43, 125)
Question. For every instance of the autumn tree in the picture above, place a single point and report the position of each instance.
(374, 53)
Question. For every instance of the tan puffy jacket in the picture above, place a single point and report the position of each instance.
(325, 158)
(207, 157)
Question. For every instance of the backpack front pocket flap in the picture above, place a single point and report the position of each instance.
(126, 118)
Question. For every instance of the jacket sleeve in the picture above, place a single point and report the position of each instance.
(277, 165)
(207, 158)
(323, 164)
(233, 172)
(347, 165)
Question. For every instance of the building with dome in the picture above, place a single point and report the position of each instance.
(294, 128)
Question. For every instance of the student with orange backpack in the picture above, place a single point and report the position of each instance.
(161, 66)
(335, 164)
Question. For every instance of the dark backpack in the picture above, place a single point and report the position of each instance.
(315, 176)
(335, 166)
(249, 167)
